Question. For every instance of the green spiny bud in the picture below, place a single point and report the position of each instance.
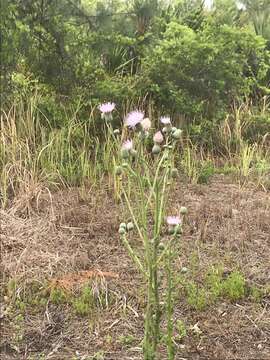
(130, 226)
(124, 153)
(183, 210)
(184, 270)
(177, 134)
(133, 153)
(122, 231)
(161, 246)
(123, 225)
(165, 130)
(156, 149)
(118, 170)
(178, 229)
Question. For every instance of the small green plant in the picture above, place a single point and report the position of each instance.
(100, 355)
(181, 330)
(197, 170)
(58, 296)
(206, 171)
(84, 303)
(214, 283)
(256, 294)
(196, 296)
(245, 160)
(234, 287)
(190, 164)
(127, 339)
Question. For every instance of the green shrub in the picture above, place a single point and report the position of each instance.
(234, 286)
(195, 73)
(196, 296)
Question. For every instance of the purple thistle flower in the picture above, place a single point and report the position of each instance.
(165, 120)
(133, 118)
(106, 108)
(173, 220)
(127, 145)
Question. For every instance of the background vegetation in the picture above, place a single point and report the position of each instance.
(208, 68)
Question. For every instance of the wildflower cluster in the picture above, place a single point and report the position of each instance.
(147, 177)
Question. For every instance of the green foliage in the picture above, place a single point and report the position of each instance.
(58, 296)
(214, 287)
(214, 283)
(83, 304)
(197, 170)
(222, 59)
(256, 294)
(235, 286)
(181, 330)
(126, 339)
(196, 296)
(207, 170)
(189, 60)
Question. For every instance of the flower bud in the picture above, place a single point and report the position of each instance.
(156, 149)
(123, 225)
(177, 134)
(174, 173)
(107, 116)
(184, 270)
(161, 246)
(116, 131)
(165, 130)
(118, 170)
(171, 230)
(183, 210)
(173, 129)
(130, 226)
(121, 231)
(133, 153)
(178, 229)
(158, 137)
(124, 153)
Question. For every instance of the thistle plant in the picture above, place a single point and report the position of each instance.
(150, 175)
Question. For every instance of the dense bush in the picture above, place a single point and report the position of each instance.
(192, 62)
(201, 73)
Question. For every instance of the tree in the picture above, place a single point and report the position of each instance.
(259, 13)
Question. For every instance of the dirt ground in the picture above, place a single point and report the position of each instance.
(69, 233)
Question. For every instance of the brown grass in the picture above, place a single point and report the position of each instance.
(70, 238)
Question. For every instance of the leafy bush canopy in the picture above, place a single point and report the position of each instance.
(186, 58)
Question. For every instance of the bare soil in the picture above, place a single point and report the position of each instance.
(67, 233)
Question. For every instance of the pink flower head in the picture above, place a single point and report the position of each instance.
(133, 118)
(173, 220)
(165, 120)
(158, 137)
(106, 107)
(146, 124)
(127, 145)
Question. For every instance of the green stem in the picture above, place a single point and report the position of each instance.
(169, 308)
(133, 255)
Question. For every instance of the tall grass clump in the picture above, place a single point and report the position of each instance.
(35, 155)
